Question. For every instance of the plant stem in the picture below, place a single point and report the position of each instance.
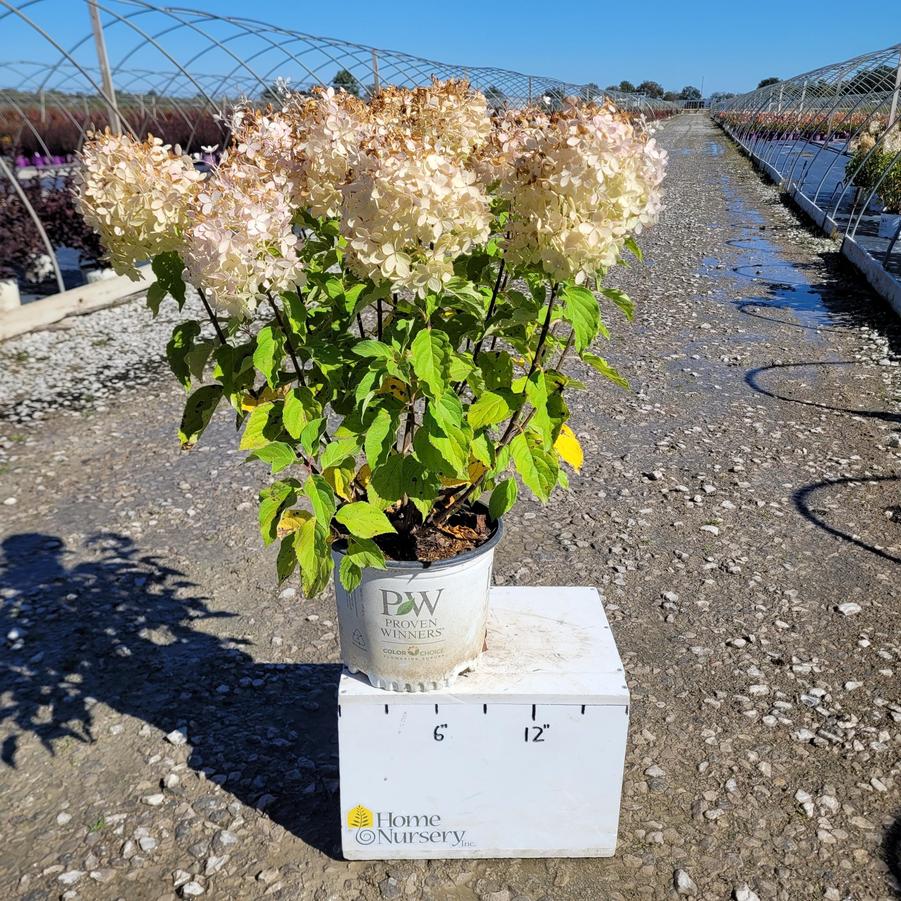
(360, 326)
(212, 315)
(497, 285)
(508, 435)
(378, 314)
(290, 344)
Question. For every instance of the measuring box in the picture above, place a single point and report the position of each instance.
(522, 757)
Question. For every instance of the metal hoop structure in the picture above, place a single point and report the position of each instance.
(176, 73)
(832, 139)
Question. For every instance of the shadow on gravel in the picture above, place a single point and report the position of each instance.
(127, 630)
(807, 498)
(891, 852)
(753, 378)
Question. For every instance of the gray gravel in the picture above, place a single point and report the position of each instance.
(169, 715)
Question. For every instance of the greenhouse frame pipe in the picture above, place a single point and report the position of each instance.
(4, 168)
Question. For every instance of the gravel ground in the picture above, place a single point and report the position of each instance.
(169, 724)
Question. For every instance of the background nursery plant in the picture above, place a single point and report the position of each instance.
(395, 291)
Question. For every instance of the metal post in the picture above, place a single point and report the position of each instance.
(43, 108)
(803, 95)
(375, 72)
(530, 90)
(894, 112)
(103, 61)
(779, 108)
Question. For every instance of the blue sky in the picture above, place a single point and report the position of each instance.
(731, 45)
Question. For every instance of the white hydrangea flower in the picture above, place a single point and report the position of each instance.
(137, 195)
(448, 117)
(242, 245)
(408, 215)
(585, 183)
(306, 147)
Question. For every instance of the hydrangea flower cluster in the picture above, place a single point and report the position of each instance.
(136, 195)
(580, 187)
(407, 216)
(331, 127)
(448, 117)
(242, 245)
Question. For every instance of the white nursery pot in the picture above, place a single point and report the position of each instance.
(440, 631)
(889, 224)
(10, 299)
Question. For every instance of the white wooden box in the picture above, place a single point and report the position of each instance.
(521, 758)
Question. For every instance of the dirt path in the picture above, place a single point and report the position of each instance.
(740, 511)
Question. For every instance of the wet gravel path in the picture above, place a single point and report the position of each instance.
(740, 510)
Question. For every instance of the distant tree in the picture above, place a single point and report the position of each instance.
(626, 87)
(880, 78)
(651, 89)
(766, 82)
(346, 81)
(721, 95)
(553, 98)
(495, 96)
(690, 92)
(670, 95)
(591, 91)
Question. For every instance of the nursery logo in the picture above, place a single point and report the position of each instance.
(359, 817)
(395, 603)
(387, 828)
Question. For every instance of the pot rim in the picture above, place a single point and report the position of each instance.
(338, 548)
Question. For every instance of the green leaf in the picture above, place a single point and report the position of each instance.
(502, 498)
(349, 573)
(380, 438)
(600, 365)
(447, 411)
(489, 409)
(632, 246)
(535, 465)
(580, 310)
(273, 499)
(497, 368)
(621, 300)
(339, 450)
(286, 562)
(444, 451)
(168, 268)
(404, 608)
(180, 345)
(278, 454)
(360, 553)
(313, 556)
(430, 354)
(322, 498)
(198, 357)
(372, 348)
(257, 422)
(364, 520)
(387, 484)
(536, 392)
(300, 408)
(199, 410)
(481, 450)
(269, 353)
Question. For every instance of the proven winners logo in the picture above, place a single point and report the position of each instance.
(387, 828)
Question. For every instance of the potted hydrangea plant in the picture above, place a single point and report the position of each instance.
(394, 289)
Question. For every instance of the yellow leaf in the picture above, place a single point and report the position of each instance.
(251, 401)
(395, 387)
(476, 471)
(340, 480)
(363, 475)
(568, 447)
(291, 520)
